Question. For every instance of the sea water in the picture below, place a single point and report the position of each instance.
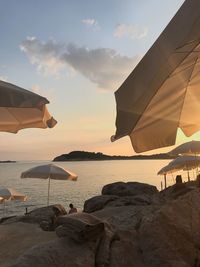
(92, 176)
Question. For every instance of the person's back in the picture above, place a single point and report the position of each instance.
(72, 209)
(179, 179)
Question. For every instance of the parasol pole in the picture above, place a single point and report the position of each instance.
(161, 185)
(48, 191)
(165, 180)
(188, 173)
(197, 169)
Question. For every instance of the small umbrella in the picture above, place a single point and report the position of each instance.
(168, 169)
(181, 163)
(20, 108)
(162, 93)
(10, 194)
(185, 161)
(49, 171)
(189, 148)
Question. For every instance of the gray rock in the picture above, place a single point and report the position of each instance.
(170, 237)
(125, 252)
(43, 214)
(98, 202)
(105, 201)
(129, 189)
(125, 218)
(175, 191)
(83, 242)
(80, 227)
(62, 252)
(17, 237)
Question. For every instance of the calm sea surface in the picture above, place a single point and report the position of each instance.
(92, 176)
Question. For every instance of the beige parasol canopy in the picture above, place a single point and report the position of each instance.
(49, 171)
(11, 194)
(162, 93)
(181, 163)
(20, 108)
(169, 169)
(185, 163)
(189, 148)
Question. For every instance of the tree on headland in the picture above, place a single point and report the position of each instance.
(85, 155)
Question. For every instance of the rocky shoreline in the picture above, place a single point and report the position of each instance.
(129, 224)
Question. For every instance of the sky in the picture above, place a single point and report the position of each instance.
(76, 54)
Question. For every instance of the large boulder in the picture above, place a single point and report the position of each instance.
(98, 202)
(175, 191)
(125, 252)
(43, 214)
(17, 237)
(170, 237)
(129, 189)
(107, 201)
(125, 218)
(84, 241)
(62, 252)
(122, 194)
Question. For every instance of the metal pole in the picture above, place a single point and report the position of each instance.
(197, 169)
(4, 207)
(48, 192)
(165, 179)
(188, 175)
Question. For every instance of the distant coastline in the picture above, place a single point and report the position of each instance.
(7, 161)
(91, 156)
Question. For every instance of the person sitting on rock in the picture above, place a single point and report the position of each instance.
(179, 179)
(72, 209)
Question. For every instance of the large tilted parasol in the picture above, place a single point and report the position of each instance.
(162, 93)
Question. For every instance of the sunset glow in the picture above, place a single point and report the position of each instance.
(76, 54)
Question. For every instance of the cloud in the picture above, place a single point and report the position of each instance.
(102, 66)
(91, 23)
(44, 55)
(130, 31)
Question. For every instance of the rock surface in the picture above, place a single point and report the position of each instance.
(128, 189)
(144, 229)
(171, 237)
(44, 214)
(62, 252)
(122, 194)
(106, 201)
(18, 237)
